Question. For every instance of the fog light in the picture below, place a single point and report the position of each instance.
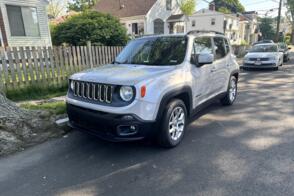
(127, 130)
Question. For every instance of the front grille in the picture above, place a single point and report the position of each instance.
(93, 91)
(259, 59)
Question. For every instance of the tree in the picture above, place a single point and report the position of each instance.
(229, 6)
(100, 29)
(187, 6)
(81, 5)
(266, 28)
(290, 6)
(56, 8)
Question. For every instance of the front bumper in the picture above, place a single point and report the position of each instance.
(263, 65)
(107, 126)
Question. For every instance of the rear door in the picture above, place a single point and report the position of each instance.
(201, 75)
(220, 72)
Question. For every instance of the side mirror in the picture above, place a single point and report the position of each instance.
(289, 48)
(281, 50)
(205, 59)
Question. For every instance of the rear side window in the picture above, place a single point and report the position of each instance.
(220, 50)
(227, 46)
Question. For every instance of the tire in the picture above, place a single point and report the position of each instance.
(165, 137)
(276, 68)
(232, 92)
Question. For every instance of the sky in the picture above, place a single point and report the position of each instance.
(262, 6)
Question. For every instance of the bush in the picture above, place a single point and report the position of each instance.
(100, 29)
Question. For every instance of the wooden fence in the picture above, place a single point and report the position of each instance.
(46, 66)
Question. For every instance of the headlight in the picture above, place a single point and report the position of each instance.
(72, 85)
(126, 93)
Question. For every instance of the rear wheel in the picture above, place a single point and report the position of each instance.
(231, 94)
(173, 125)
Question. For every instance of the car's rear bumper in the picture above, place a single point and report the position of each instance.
(111, 127)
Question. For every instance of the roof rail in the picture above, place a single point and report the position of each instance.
(203, 31)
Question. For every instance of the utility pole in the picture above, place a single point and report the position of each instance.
(279, 21)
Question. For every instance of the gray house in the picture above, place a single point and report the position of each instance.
(24, 23)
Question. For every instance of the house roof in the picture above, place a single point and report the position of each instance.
(124, 8)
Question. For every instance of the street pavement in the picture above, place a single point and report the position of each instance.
(246, 149)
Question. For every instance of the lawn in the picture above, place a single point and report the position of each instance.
(55, 108)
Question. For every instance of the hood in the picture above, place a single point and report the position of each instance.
(121, 74)
(261, 55)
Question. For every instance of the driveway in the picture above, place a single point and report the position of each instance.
(246, 149)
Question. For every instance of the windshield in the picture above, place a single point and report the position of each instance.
(264, 48)
(154, 51)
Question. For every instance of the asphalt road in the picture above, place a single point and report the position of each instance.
(246, 149)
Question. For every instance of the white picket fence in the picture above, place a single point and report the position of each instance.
(46, 66)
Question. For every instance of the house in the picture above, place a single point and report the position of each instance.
(211, 20)
(145, 16)
(249, 27)
(24, 23)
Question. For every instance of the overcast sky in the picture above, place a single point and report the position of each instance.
(250, 5)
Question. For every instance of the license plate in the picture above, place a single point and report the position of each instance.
(258, 63)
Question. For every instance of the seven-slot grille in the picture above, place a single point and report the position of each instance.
(93, 91)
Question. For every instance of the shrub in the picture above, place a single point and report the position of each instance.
(100, 29)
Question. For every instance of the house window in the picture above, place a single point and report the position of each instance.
(168, 4)
(23, 21)
(213, 21)
(193, 23)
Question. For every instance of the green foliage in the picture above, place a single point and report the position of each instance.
(100, 29)
(288, 39)
(81, 5)
(244, 43)
(224, 10)
(56, 108)
(36, 93)
(229, 6)
(187, 6)
(267, 29)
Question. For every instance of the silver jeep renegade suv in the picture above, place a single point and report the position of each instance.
(152, 88)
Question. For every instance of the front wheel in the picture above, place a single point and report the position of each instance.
(231, 94)
(173, 125)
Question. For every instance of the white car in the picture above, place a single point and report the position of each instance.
(153, 87)
(265, 56)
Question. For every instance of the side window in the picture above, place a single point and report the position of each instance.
(202, 45)
(227, 45)
(220, 51)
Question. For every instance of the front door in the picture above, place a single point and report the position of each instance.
(201, 75)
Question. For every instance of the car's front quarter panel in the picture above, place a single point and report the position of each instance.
(157, 88)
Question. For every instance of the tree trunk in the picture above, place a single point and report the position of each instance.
(20, 128)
